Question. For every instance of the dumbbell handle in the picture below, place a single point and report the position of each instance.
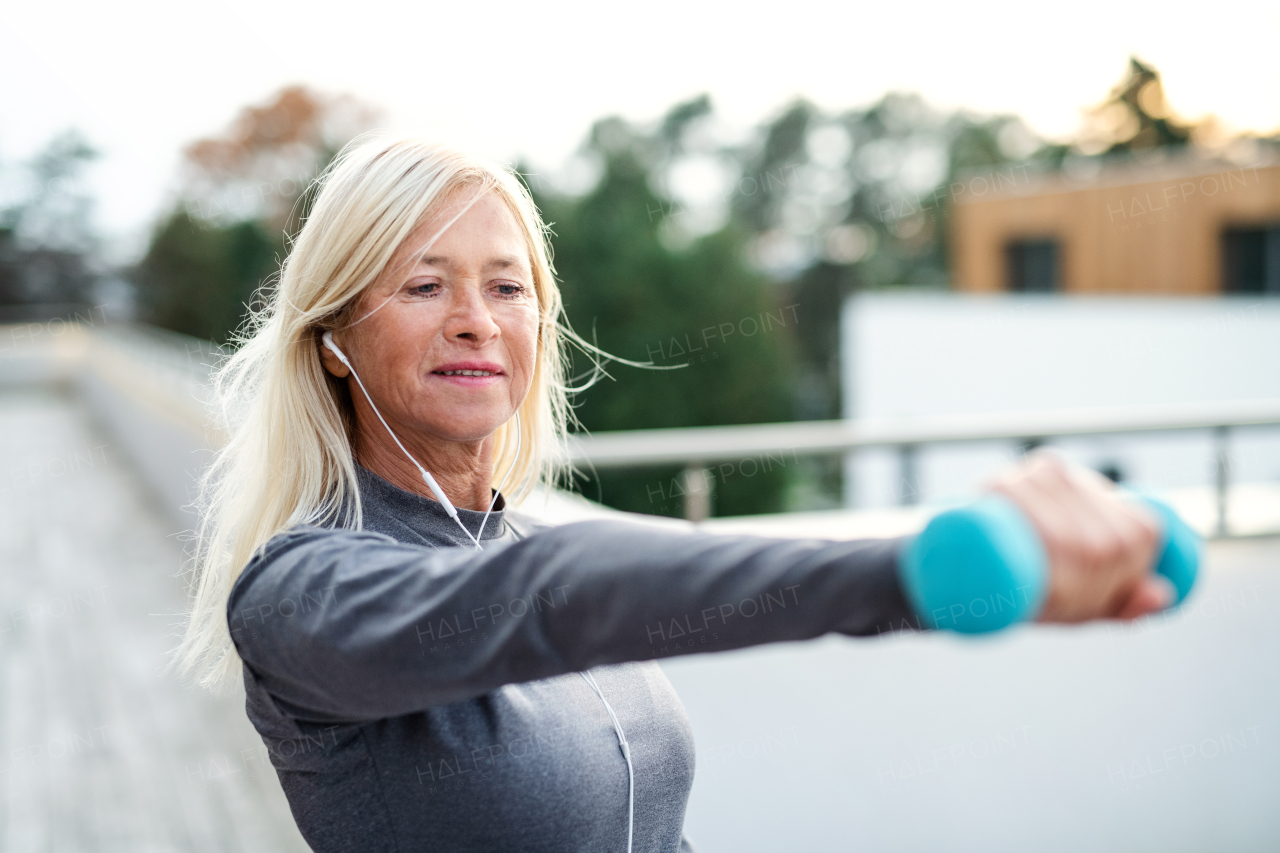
(982, 567)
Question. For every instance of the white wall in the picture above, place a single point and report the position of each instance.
(936, 354)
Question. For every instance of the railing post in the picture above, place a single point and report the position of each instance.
(1027, 445)
(1222, 474)
(850, 479)
(697, 492)
(908, 475)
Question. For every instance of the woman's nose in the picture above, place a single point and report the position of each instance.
(470, 318)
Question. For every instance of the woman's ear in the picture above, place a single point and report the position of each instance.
(332, 363)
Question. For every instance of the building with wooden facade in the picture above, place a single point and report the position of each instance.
(1182, 226)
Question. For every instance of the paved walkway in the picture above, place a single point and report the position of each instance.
(99, 749)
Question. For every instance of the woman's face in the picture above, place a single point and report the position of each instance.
(450, 348)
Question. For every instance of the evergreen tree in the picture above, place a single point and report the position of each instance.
(699, 305)
(47, 243)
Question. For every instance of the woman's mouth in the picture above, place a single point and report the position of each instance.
(469, 373)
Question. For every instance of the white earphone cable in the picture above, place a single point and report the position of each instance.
(626, 753)
(426, 476)
(503, 481)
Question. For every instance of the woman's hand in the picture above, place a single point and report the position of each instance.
(1100, 545)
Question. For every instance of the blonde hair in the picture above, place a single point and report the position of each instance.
(289, 456)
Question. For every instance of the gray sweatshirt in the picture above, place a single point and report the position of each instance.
(416, 694)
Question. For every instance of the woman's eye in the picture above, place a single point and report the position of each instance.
(424, 288)
(508, 288)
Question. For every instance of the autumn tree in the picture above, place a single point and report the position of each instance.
(241, 193)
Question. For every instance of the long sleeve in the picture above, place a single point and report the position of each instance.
(347, 625)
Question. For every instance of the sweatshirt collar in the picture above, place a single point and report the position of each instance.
(386, 505)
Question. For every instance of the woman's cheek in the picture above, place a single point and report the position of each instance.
(525, 352)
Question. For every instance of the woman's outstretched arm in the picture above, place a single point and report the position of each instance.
(348, 625)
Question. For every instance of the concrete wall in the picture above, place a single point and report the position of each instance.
(939, 354)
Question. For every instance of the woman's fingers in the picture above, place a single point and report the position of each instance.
(1069, 536)
(1100, 546)
(1124, 553)
(1086, 555)
(1152, 595)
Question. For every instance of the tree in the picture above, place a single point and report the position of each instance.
(198, 277)
(858, 200)
(1136, 116)
(628, 288)
(817, 207)
(47, 242)
(242, 193)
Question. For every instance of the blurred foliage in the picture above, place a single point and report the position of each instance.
(815, 207)
(198, 278)
(699, 305)
(242, 193)
(859, 200)
(47, 244)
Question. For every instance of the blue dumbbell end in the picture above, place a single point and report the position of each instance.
(1180, 552)
(975, 569)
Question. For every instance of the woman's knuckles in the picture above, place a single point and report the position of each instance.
(1100, 546)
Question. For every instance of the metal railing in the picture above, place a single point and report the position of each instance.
(697, 447)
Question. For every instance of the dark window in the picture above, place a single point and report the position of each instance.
(1251, 259)
(1032, 266)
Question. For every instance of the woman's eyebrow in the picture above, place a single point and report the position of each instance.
(506, 262)
(500, 263)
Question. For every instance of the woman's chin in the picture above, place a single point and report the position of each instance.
(464, 426)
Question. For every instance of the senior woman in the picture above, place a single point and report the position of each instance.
(428, 668)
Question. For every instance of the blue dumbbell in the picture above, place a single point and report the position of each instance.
(982, 567)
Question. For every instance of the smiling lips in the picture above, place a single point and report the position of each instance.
(469, 373)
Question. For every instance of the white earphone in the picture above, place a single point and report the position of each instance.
(327, 338)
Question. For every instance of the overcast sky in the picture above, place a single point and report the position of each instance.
(511, 79)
